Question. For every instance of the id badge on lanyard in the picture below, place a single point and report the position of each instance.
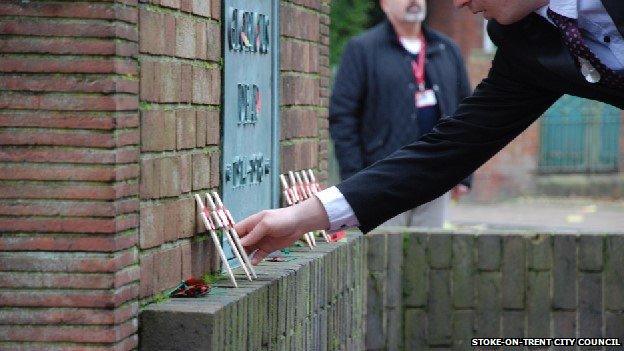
(423, 97)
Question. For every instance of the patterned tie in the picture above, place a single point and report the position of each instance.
(571, 35)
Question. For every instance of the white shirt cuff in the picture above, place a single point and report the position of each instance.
(339, 212)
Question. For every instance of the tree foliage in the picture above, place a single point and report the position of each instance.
(348, 18)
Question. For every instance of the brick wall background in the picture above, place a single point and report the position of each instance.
(438, 290)
(109, 123)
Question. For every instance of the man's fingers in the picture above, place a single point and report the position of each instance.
(257, 233)
(246, 225)
(258, 256)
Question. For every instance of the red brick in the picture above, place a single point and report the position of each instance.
(301, 155)
(57, 225)
(68, 192)
(213, 132)
(36, 280)
(299, 90)
(167, 78)
(152, 32)
(187, 217)
(150, 178)
(55, 172)
(56, 27)
(60, 316)
(77, 10)
(215, 169)
(68, 46)
(215, 9)
(302, 24)
(47, 155)
(65, 208)
(213, 40)
(151, 230)
(54, 83)
(185, 129)
(127, 137)
(51, 64)
(170, 3)
(215, 87)
(168, 265)
(298, 123)
(298, 56)
(185, 37)
(202, 7)
(169, 176)
(68, 120)
(201, 85)
(172, 213)
(201, 171)
(186, 5)
(313, 4)
(186, 84)
(68, 262)
(186, 259)
(185, 173)
(103, 334)
(64, 242)
(54, 101)
(147, 87)
(201, 128)
(201, 44)
(148, 274)
(204, 257)
(70, 298)
(157, 130)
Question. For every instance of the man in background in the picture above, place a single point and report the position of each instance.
(395, 81)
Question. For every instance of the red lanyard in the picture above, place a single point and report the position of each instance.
(418, 65)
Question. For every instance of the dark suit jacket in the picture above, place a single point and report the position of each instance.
(372, 111)
(531, 70)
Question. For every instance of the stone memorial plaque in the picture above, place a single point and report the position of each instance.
(250, 107)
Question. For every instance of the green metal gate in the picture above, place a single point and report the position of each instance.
(579, 136)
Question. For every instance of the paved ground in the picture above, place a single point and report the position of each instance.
(542, 213)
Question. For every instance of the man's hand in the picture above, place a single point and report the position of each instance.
(271, 230)
(458, 191)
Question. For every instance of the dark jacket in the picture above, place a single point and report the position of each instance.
(531, 70)
(372, 111)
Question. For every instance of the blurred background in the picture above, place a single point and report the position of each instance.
(568, 162)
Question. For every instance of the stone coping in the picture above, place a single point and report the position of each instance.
(490, 231)
(197, 323)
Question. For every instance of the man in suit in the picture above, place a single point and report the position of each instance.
(545, 49)
(386, 95)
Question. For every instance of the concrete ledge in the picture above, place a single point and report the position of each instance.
(595, 185)
(313, 302)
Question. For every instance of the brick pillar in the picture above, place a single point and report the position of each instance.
(110, 122)
(304, 63)
(69, 175)
(180, 81)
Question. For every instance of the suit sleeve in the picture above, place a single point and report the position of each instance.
(463, 91)
(502, 106)
(345, 111)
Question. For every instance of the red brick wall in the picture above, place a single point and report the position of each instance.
(180, 94)
(69, 131)
(109, 123)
